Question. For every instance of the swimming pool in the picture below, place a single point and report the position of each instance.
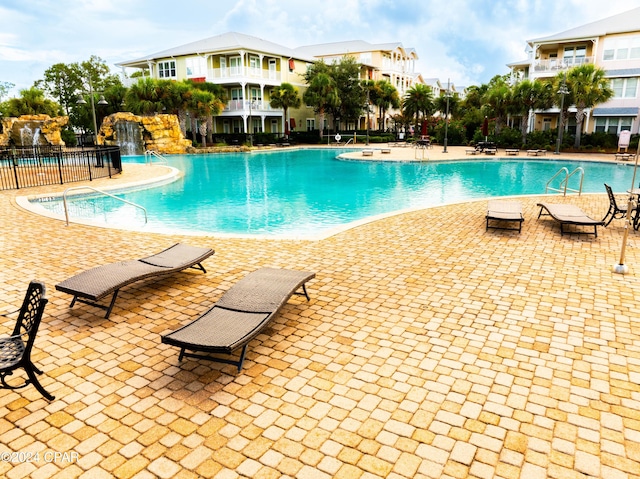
(309, 193)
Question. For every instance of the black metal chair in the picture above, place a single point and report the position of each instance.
(615, 211)
(15, 350)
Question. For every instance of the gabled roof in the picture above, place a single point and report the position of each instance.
(622, 23)
(351, 47)
(226, 42)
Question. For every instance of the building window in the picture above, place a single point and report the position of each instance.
(311, 124)
(613, 124)
(546, 124)
(627, 48)
(254, 63)
(575, 55)
(167, 69)
(236, 94)
(235, 65)
(624, 87)
(196, 67)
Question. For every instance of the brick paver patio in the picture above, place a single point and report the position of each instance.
(430, 349)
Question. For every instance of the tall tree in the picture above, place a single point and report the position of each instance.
(202, 105)
(418, 102)
(321, 93)
(387, 98)
(497, 100)
(285, 96)
(346, 76)
(589, 87)
(62, 81)
(143, 97)
(528, 96)
(32, 102)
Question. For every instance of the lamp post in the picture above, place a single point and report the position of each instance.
(101, 101)
(562, 91)
(368, 125)
(250, 125)
(621, 267)
(446, 119)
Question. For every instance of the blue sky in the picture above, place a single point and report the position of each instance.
(468, 41)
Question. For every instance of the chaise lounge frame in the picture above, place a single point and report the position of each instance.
(566, 214)
(238, 316)
(502, 211)
(92, 285)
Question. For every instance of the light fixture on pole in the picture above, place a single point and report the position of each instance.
(101, 102)
(250, 123)
(562, 91)
(446, 119)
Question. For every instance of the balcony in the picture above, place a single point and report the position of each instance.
(240, 74)
(559, 64)
(242, 106)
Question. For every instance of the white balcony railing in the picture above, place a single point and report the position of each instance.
(559, 64)
(220, 75)
(245, 106)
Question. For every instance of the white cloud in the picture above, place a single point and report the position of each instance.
(468, 41)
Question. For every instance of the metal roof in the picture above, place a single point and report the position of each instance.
(622, 23)
(231, 42)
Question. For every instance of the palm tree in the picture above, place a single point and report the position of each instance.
(418, 100)
(142, 97)
(385, 96)
(322, 95)
(528, 96)
(498, 100)
(32, 102)
(202, 105)
(285, 96)
(589, 87)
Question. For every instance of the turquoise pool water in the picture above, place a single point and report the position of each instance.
(308, 193)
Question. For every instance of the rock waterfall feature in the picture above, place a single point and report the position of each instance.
(135, 134)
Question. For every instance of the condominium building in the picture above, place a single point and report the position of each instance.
(612, 44)
(249, 68)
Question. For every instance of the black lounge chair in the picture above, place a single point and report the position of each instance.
(92, 285)
(239, 315)
(569, 215)
(500, 212)
(15, 350)
(615, 211)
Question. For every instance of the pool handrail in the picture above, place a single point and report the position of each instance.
(66, 210)
(149, 154)
(564, 184)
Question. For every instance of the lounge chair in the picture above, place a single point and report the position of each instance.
(615, 211)
(15, 350)
(569, 215)
(92, 285)
(239, 315)
(502, 212)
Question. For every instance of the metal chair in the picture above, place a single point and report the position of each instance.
(615, 211)
(15, 350)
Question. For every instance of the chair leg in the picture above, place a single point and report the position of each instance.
(31, 369)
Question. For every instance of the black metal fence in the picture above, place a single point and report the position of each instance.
(47, 165)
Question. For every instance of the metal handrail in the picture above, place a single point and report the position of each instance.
(149, 154)
(564, 184)
(66, 210)
(566, 173)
